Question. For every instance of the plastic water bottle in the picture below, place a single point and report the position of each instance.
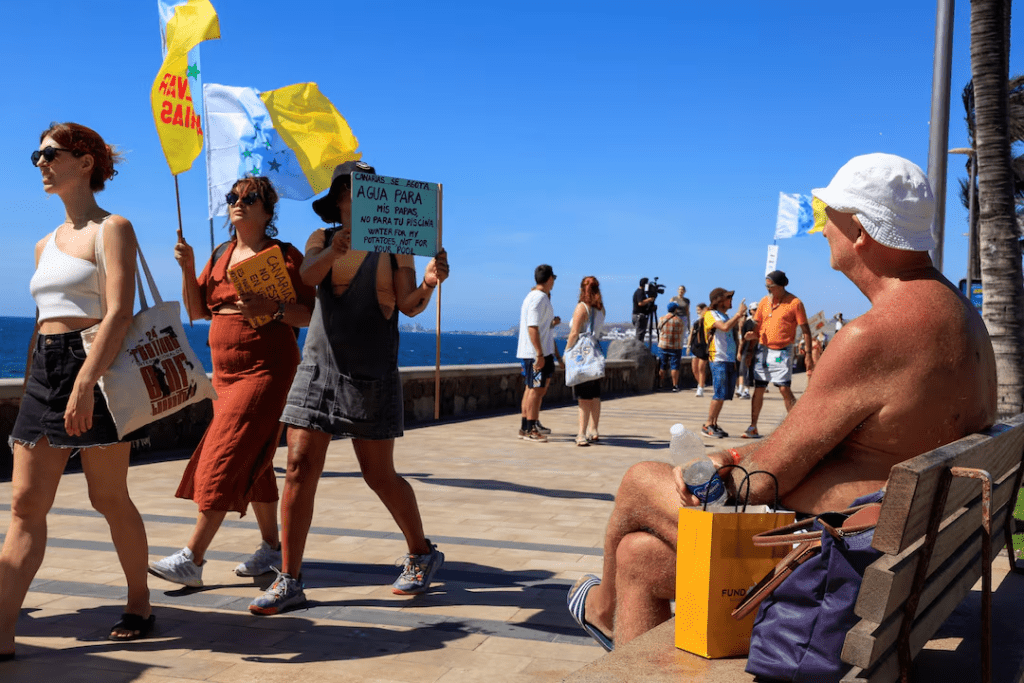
(699, 471)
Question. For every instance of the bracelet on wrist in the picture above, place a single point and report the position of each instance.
(279, 315)
(428, 286)
(735, 455)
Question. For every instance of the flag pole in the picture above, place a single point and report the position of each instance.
(437, 341)
(177, 200)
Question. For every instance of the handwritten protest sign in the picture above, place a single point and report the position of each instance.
(264, 274)
(394, 215)
(816, 322)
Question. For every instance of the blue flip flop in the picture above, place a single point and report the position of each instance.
(577, 601)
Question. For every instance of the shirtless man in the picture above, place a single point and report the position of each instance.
(348, 385)
(913, 373)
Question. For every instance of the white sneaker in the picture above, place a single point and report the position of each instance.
(179, 568)
(700, 392)
(262, 561)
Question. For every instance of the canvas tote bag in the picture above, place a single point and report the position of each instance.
(585, 360)
(156, 373)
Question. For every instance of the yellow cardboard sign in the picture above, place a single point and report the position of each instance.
(266, 275)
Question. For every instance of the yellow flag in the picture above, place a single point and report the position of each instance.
(177, 116)
(313, 130)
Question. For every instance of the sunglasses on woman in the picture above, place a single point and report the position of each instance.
(50, 153)
(248, 200)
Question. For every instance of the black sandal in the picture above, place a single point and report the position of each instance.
(135, 625)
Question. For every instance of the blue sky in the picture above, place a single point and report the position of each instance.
(609, 139)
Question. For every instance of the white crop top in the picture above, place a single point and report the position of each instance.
(64, 286)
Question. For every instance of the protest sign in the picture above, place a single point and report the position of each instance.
(394, 215)
(264, 274)
(816, 322)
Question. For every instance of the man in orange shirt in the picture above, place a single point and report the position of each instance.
(776, 320)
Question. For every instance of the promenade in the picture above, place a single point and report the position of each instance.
(518, 522)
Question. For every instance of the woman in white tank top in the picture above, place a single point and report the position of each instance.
(62, 410)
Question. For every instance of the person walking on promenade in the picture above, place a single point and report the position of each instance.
(537, 350)
(233, 465)
(348, 385)
(746, 357)
(588, 316)
(63, 410)
(670, 345)
(777, 317)
(698, 347)
(721, 336)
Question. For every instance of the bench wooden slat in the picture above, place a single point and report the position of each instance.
(912, 485)
(888, 580)
(868, 640)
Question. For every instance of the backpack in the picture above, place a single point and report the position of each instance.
(698, 340)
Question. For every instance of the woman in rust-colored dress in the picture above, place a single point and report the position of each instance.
(252, 370)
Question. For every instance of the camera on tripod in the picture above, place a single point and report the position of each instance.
(653, 289)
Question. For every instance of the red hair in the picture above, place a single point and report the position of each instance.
(82, 140)
(590, 292)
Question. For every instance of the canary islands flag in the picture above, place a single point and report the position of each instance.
(183, 25)
(292, 135)
(796, 216)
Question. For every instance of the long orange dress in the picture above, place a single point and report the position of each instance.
(252, 372)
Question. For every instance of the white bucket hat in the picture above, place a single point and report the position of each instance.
(891, 197)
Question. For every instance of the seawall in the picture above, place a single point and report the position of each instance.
(467, 391)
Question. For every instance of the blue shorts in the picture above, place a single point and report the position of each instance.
(535, 379)
(724, 377)
(670, 358)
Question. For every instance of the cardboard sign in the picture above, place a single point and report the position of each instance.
(394, 215)
(264, 274)
(817, 322)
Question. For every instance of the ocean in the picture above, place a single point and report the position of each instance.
(416, 348)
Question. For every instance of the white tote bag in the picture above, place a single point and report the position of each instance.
(156, 373)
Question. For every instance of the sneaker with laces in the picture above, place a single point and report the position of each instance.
(534, 435)
(262, 561)
(721, 433)
(542, 429)
(179, 568)
(418, 571)
(708, 431)
(285, 592)
(700, 392)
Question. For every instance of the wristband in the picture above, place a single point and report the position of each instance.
(279, 315)
(735, 455)
(428, 286)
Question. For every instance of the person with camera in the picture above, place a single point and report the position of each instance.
(643, 308)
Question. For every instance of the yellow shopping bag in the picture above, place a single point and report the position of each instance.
(716, 563)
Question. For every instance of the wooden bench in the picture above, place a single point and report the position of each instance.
(946, 515)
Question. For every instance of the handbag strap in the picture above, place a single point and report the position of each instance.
(101, 269)
(798, 532)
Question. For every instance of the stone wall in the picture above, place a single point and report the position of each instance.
(466, 391)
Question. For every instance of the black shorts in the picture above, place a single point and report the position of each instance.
(587, 390)
(56, 363)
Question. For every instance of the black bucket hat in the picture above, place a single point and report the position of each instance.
(327, 206)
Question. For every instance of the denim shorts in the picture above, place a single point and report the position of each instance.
(326, 400)
(670, 358)
(536, 379)
(724, 377)
(57, 360)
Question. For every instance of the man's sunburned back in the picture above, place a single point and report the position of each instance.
(915, 372)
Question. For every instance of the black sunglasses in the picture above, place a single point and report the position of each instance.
(50, 153)
(248, 199)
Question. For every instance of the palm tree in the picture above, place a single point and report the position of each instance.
(1001, 274)
(1016, 103)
